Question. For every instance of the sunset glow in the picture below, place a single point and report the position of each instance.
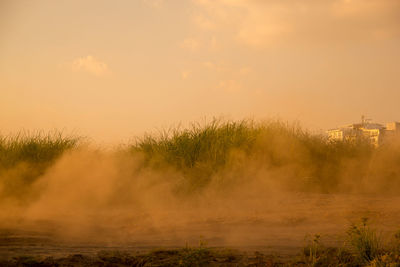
(110, 70)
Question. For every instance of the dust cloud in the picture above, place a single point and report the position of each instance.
(110, 198)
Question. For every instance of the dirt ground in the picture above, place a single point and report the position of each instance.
(281, 227)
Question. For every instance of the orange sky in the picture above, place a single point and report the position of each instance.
(113, 69)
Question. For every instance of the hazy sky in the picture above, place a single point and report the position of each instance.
(113, 69)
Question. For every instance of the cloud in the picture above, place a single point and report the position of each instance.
(259, 23)
(190, 44)
(90, 64)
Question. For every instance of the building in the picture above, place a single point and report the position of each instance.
(393, 127)
(374, 132)
(392, 130)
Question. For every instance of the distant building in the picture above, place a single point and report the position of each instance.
(375, 132)
(393, 126)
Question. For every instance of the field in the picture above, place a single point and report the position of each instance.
(230, 193)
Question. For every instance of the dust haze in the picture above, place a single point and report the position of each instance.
(112, 71)
(112, 198)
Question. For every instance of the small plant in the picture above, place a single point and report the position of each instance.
(364, 241)
(397, 242)
(314, 247)
(313, 250)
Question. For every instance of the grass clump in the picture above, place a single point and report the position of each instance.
(229, 152)
(24, 157)
(316, 254)
(210, 143)
(38, 148)
(202, 152)
(363, 248)
(364, 242)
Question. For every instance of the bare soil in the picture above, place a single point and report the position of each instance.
(279, 229)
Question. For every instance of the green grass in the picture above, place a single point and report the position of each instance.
(364, 242)
(35, 148)
(200, 151)
(228, 152)
(209, 143)
(203, 152)
(25, 157)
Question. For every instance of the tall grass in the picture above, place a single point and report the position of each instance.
(24, 157)
(227, 150)
(202, 151)
(35, 148)
(210, 143)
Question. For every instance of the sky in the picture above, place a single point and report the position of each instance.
(111, 70)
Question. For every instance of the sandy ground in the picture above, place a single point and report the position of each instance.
(280, 227)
